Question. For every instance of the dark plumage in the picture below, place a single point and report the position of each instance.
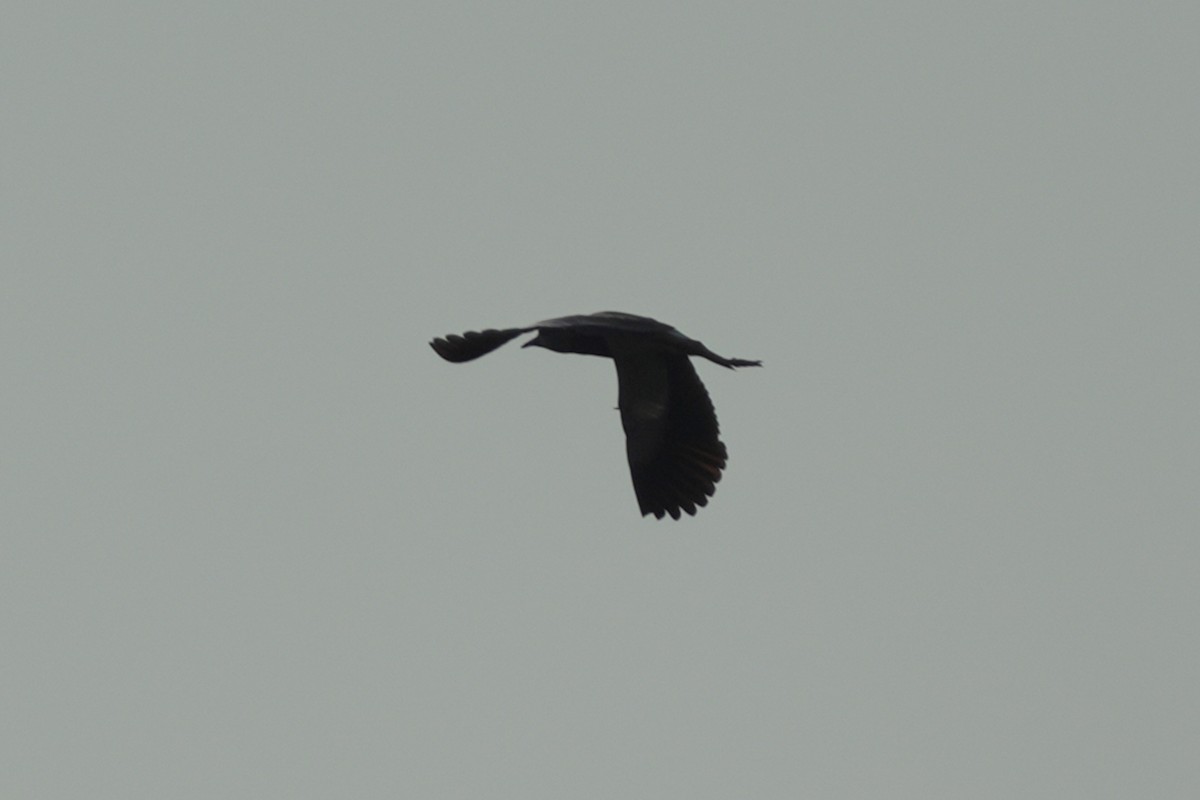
(671, 434)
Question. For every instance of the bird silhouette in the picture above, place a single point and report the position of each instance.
(671, 435)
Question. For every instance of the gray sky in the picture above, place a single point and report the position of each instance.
(260, 542)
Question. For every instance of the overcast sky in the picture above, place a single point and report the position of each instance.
(260, 542)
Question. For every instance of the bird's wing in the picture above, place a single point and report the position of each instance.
(671, 434)
(608, 323)
(473, 344)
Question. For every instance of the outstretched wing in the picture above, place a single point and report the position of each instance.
(671, 434)
(473, 344)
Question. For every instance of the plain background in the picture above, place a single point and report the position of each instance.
(260, 542)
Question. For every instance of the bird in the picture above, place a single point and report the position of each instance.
(672, 440)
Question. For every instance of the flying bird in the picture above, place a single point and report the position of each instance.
(671, 434)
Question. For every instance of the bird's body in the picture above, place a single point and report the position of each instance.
(672, 438)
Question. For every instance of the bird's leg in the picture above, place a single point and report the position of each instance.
(728, 363)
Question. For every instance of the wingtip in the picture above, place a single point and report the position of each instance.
(472, 344)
